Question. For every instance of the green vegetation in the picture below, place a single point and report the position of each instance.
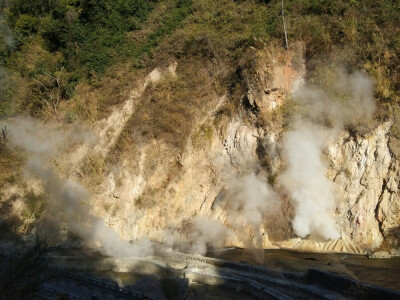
(361, 34)
(272, 179)
(81, 42)
(11, 163)
(60, 43)
(74, 60)
(85, 32)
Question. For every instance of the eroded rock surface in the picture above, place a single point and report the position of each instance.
(156, 190)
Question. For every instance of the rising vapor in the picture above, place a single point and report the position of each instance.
(311, 192)
(68, 208)
(251, 200)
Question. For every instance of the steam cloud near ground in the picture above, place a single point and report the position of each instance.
(202, 233)
(311, 192)
(252, 199)
(68, 208)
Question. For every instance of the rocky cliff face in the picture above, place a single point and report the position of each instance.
(159, 192)
(199, 181)
(367, 180)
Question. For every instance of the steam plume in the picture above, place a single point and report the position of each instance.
(252, 199)
(68, 201)
(202, 233)
(305, 179)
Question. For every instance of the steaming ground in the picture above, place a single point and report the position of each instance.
(68, 209)
(310, 190)
(251, 198)
(305, 178)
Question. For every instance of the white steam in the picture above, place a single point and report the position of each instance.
(206, 232)
(305, 179)
(252, 199)
(311, 192)
(200, 234)
(69, 209)
(68, 205)
(43, 141)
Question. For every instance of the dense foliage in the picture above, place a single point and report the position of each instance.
(47, 47)
(86, 32)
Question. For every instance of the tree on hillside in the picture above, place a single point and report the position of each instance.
(51, 85)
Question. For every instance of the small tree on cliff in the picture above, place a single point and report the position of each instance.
(50, 87)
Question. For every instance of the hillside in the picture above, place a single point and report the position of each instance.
(161, 120)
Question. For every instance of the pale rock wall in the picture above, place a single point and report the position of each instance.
(367, 179)
(196, 182)
(365, 173)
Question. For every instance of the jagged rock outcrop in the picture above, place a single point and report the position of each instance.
(365, 174)
(156, 191)
(367, 180)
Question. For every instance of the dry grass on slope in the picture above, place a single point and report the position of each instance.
(11, 163)
(169, 109)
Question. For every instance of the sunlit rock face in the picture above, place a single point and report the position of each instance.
(158, 193)
(361, 168)
(367, 179)
(223, 187)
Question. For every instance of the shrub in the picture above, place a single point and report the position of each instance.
(202, 138)
(25, 26)
(148, 198)
(34, 205)
(92, 169)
